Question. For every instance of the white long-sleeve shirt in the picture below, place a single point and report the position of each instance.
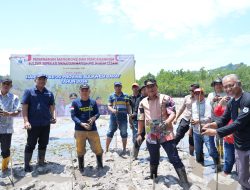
(205, 114)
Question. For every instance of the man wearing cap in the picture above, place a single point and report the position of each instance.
(84, 113)
(237, 109)
(185, 121)
(133, 116)
(38, 107)
(217, 95)
(214, 99)
(118, 105)
(156, 112)
(67, 109)
(132, 101)
(201, 114)
(9, 107)
(136, 147)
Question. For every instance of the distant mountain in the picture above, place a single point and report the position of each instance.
(230, 67)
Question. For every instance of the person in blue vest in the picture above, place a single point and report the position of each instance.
(118, 105)
(84, 112)
(38, 108)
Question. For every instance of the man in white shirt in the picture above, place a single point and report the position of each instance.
(201, 114)
(186, 110)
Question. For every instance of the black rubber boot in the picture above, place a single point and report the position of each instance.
(191, 150)
(41, 157)
(181, 172)
(99, 161)
(153, 171)
(135, 152)
(27, 159)
(200, 159)
(81, 163)
(217, 164)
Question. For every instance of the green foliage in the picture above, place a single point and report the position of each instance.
(177, 83)
(142, 79)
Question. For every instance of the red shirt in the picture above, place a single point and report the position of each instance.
(218, 111)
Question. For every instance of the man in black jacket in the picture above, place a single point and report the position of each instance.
(136, 146)
(237, 110)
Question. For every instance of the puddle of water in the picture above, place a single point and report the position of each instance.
(45, 178)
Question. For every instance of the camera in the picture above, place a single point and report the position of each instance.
(163, 126)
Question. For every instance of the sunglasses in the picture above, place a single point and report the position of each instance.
(197, 94)
(151, 85)
(7, 83)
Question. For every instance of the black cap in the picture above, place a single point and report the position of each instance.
(8, 80)
(72, 95)
(143, 86)
(149, 82)
(117, 84)
(41, 76)
(84, 86)
(195, 85)
(216, 81)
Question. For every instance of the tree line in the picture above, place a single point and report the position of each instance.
(177, 83)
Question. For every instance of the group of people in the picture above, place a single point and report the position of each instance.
(200, 111)
(221, 117)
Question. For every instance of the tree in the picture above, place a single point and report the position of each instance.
(176, 83)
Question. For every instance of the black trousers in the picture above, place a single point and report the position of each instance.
(170, 149)
(38, 134)
(181, 130)
(5, 142)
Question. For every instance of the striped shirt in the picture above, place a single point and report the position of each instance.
(119, 103)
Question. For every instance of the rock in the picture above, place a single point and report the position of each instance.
(28, 187)
(194, 187)
(42, 170)
(126, 170)
(97, 184)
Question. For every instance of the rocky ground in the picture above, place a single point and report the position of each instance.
(119, 172)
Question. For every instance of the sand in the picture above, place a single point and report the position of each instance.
(119, 172)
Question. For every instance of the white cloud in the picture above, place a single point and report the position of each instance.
(241, 40)
(167, 17)
(209, 52)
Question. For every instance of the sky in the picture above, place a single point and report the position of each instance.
(162, 34)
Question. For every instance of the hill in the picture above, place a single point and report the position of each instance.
(176, 83)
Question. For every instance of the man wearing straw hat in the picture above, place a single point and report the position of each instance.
(9, 107)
